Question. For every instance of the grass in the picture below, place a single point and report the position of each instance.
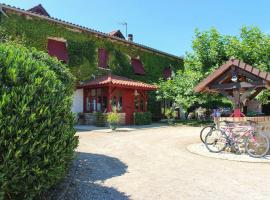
(193, 122)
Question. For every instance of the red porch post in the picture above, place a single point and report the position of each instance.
(109, 106)
(84, 100)
(145, 101)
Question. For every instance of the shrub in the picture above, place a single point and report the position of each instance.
(100, 119)
(37, 138)
(113, 119)
(170, 113)
(142, 118)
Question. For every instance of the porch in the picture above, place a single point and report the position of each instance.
(110, 91)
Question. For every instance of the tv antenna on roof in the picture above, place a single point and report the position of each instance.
(124, 24)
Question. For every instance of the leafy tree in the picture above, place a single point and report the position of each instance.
(210, 50)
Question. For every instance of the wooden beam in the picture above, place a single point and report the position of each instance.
(245, 95)
(238, 85)
(248, 75)
(252, 96)
(223, 77)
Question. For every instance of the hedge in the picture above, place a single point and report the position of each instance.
(142, 118)
(37, 138)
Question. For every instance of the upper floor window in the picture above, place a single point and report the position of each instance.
(167, 73)
(57, 47)
(102, 58)
(137, 66)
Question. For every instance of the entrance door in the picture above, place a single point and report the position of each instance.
(128, 105)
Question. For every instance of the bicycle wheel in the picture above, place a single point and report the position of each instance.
(206, 130)
(216, 141)
(257, 146)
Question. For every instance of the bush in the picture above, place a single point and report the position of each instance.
(170, 113)
(37, 138)
(100, 119)
(142, 118)
(113, 119)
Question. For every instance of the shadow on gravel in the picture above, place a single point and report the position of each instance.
(90, 168)
(97, 167)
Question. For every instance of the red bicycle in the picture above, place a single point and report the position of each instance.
(235, 135)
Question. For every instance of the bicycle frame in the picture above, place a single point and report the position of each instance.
(246, 130)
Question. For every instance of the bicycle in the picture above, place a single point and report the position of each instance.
(256, 144)
(205, 130)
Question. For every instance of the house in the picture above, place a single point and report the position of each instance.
(110, 70)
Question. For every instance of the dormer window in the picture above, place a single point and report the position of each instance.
(137, 65)
(167, 73)
(102, 58)
(57, 47)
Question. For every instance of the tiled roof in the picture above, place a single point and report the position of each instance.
(59, 21)
(39, 9)
(222, 69)
(117, 33)
(117, 81)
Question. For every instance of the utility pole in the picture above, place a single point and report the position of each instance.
(126, 26)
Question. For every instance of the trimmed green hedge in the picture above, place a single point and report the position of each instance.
(101, 119)
(142, 118)
(37, 138)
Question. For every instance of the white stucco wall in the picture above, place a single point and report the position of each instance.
(77, 101)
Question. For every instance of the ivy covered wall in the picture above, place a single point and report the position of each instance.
(83, 49)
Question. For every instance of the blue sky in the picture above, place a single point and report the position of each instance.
(166, 25)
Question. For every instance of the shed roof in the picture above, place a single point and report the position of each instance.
(203, 85)
(119, 81)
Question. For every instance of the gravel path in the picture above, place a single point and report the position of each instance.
(155, 164)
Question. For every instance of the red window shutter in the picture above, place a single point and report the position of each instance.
(58, 49)
(102, 58)
(167, 73)
(137, 67)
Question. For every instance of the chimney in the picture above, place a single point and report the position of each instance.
(130, 37)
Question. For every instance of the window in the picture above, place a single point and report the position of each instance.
(102, 58)
(96, 100)
(137, 66)
(57, 47)
(167, 73)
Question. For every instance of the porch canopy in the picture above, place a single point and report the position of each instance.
(237, 81)
(105, 92)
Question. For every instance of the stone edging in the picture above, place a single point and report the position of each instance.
(201, 150)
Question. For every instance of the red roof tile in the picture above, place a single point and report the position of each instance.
(117, 81)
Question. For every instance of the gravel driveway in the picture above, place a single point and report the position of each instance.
(154, 164)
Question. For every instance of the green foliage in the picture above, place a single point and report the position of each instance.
(37, 138)
(100, 119)
(83, 50)
(210, 50)
(170, 113)
(113, 118)
(142, 118)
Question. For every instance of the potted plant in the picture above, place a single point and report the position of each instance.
(80, 118)
(113, 119)
(170, 114)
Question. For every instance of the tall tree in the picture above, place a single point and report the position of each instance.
(210, 50)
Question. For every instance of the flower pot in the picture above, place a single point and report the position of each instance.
(113, 126)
